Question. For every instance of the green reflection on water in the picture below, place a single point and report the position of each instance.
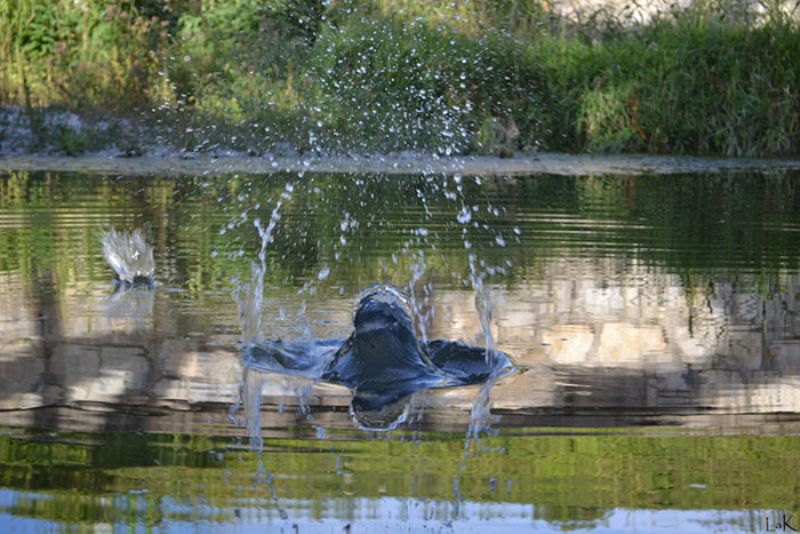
(689, 224)
(566, 477)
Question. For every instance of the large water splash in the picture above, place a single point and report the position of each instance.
(377, 405)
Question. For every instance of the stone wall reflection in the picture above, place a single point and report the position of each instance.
(112, 354)
(602, 334)
(618, 333)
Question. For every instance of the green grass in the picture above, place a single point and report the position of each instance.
(366, 75)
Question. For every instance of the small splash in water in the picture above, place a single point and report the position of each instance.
(130, 256)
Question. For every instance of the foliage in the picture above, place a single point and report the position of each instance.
(714, 78)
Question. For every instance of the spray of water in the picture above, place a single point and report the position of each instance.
(129, 255)
(253, 384)
(421, 310)
(251, 297)
(481, 417)
(483, 304)
(481, 412)
(251, 304)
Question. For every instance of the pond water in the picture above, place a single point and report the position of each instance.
(652, 321)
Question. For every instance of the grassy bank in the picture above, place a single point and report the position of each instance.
(491, 77)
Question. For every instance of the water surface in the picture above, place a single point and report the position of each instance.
(667, 302)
